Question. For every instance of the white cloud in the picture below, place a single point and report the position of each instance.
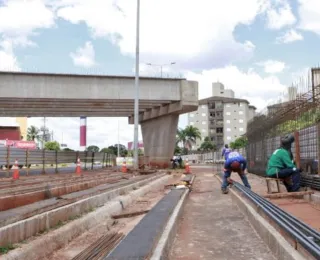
(272, 66)
(17, 23)
(168, 31)
(8, 61)
(246, 84)
(309, 12)
(102, 132)
(84, 56)
(279, 15)
(290, 36)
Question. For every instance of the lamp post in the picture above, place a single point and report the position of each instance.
(136, 98)
(161, 65)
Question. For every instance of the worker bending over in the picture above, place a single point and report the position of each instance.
(235, 162)
(282, 166)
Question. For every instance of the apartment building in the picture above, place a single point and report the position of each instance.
(223, 118)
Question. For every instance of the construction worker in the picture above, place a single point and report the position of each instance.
(225, 151)
(235, 162)
(281, 165)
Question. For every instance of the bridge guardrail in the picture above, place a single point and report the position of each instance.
(8, 156)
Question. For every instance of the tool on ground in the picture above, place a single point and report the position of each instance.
(181, 185)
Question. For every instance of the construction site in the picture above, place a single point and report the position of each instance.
(81, 205)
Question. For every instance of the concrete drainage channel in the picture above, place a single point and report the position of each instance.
(161, 223)
(275, 236)
(107, 203)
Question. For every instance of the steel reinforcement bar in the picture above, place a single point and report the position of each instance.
(303, 234)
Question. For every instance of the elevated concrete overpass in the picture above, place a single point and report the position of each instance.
(69, 95)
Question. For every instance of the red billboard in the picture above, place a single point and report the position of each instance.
(130, 145)
(19, 144)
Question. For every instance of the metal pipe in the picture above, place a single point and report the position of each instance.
(290, 228)
(309, 230)
(136, 99)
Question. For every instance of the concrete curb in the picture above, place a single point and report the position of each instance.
(58, 238)
(280, 247)
(23, 229)
(162, 250)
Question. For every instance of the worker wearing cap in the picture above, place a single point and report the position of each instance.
(282, 166)
(235, 162)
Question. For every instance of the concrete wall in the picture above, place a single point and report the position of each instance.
(22, 85)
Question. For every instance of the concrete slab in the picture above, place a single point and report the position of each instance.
(212, 227)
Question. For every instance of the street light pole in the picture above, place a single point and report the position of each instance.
(118, 141)
(161, 66)
(136, 99)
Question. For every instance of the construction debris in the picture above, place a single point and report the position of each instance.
(130, 215)
(288, 194)
(100, 248)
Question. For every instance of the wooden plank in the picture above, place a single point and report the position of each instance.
(288, 194)
(129, 215)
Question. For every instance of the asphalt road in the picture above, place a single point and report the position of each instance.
(38, 171)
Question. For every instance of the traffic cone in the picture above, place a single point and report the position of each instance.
(124, 167)
(78, 168)
(15, 167)
(187, 168)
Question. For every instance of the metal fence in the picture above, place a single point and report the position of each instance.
(52, 159)
(299, 115)
(209, 157)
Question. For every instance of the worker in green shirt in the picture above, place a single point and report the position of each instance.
(282, 166)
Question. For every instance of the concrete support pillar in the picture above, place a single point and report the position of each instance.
(159, 139)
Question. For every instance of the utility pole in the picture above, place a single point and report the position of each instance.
(43, 132)
(118, 141)
(161, 66)
(136, 98)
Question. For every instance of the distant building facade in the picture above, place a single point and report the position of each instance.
(221, 117)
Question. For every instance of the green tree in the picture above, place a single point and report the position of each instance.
(33, 133)
(67, 150)
(93, 148)
(240, 142)
(177, 150)
(131, 153)
(53, 146)
(122, 149)
(180, 137)
(187, 137)
(106, 150)
(192, 134)
(207, 145)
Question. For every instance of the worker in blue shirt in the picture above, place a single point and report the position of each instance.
(225, 151)
(235, 162)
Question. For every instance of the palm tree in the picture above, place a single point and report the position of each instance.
(192, 134)
(181, 137)
(33, 133)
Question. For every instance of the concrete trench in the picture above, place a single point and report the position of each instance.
(46, 245)
(14, 201)
(24, 229)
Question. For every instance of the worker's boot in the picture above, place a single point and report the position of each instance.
(224, 190)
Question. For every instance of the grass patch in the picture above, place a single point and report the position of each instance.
(6, 249)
